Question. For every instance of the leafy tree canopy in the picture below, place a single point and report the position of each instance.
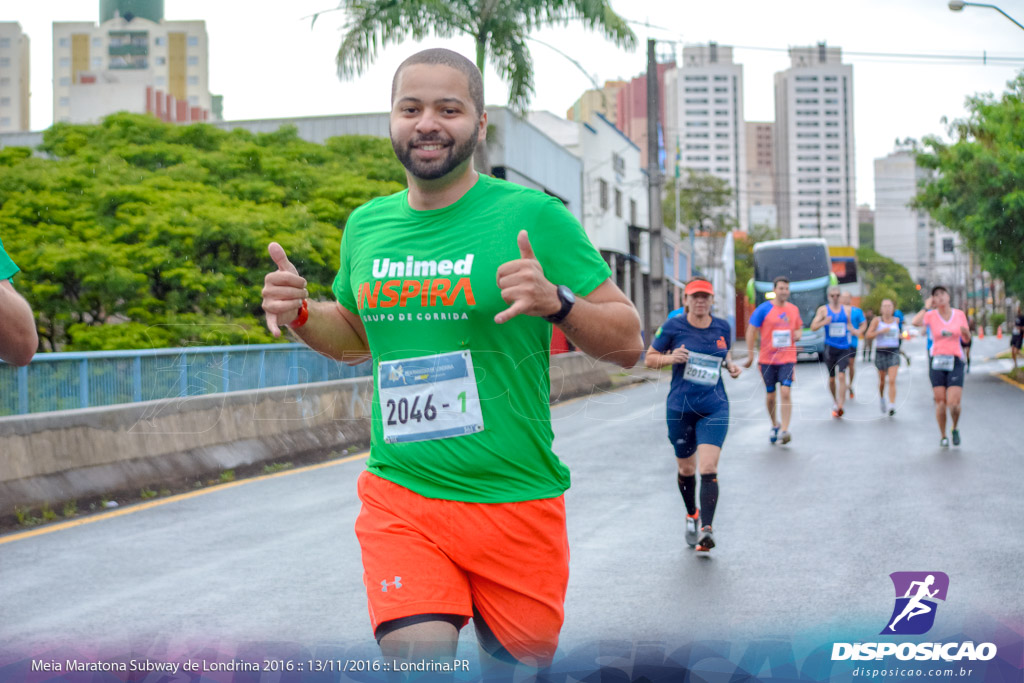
(978, 187)
(136, 233)
(886, 279)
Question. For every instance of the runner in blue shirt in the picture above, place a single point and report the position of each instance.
(858, 325)
(836, 319)
(697, 347)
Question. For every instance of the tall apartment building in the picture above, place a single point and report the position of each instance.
(761, 209)
(125, 61)
(631, 108)
(929, 251)
(704, 120)
(603, 102)
(14, 78)
(815, 179)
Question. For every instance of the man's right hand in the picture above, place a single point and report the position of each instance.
(750, 360)
(284, 290)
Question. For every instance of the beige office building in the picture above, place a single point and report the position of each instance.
(130, 63)
(761, 174)
(14, 78)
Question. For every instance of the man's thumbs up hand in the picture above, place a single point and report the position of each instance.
(283, 291)
(524, 287)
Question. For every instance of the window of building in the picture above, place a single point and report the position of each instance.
(5, 42)
(618, 202)
(721, 112)
(696, 124)
(692, 146)
(193, 100)
(632, 212)
(159, 40)
(160, 80)
(697, 90)
(64, 102)
(696, 112)
(695, 78)
(64, 80)
(5, 121)
(831, 135)
(161, 61)
(808, 135)
(829, 78)
(722, 158)
(5, 101)
(97, 42)
(696, 135)
(193, 40)
(721, 90)
(721, 78)
(721, 124)
(4, 61)
(64, 42)
(831, 124)
(696, 100)
(813, 79)
(193, 80)
(722, 169)
(721, 135)
(193, 60)
(835, 90)
(947, 245)
(602, 194)
(721, 100)
(97, 62)
(64, 61)
(4, 81)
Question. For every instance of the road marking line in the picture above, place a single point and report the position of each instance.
(138, 507)
(1008, 380)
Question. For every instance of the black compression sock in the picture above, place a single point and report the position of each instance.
(708, 497)
(688, 487)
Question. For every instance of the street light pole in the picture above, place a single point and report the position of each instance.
(658, 308)
(958, 6)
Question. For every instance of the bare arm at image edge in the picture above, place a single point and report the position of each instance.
(18, 339)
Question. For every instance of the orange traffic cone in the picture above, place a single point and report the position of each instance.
(981, 332)
(999, 332)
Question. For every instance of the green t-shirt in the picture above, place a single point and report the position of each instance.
(7, 266)
(424, 284)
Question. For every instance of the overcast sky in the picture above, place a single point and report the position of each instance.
(267, 62)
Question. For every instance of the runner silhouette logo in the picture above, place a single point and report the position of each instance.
(916, 595)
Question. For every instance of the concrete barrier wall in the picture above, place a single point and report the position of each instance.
(78, 454)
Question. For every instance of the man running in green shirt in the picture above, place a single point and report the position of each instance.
(18, 339)
(451, 287)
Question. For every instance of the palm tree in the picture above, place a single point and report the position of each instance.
(499, 27)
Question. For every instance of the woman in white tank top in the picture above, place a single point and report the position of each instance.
(885, 330)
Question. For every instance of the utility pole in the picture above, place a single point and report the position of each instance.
(658, 310)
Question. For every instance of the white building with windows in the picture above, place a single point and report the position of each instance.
(122, 64)
(704, 120)
(815, 185)
(932, 253)
(614, 189)
(14, 78)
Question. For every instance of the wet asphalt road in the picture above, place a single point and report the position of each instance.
(807, 533)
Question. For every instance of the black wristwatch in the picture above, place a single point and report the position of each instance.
(567, 298)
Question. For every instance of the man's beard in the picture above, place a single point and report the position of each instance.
(458, 152)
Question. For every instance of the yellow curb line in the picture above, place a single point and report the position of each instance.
(1009, 381)
(171, 499)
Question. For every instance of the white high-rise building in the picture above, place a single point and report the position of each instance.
(815, 179)
(929, 251)
(14, 78)
(130, 63)
(704, 120)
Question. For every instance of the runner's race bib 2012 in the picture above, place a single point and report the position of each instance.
(703, 369)
(430, 397)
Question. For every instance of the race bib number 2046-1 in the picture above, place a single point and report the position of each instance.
(430, 397)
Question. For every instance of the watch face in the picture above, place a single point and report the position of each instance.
(565, 293)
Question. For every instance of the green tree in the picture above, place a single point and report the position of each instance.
(705, 203)
(878, 272)
(135, 233)
(976, 189)
(499, 28)
(744, 247)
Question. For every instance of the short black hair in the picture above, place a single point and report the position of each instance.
(449, 58)
(937, 288)
(781, 278)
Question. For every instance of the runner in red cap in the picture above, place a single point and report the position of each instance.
(696, 345)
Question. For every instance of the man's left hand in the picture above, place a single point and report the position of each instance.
(524, 287)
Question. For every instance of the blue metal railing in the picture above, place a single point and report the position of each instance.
(66, 381)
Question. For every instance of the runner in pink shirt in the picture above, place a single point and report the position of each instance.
(949, 330)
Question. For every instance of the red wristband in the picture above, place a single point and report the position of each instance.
(302, 317)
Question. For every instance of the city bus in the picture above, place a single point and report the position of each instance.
(806, 263)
